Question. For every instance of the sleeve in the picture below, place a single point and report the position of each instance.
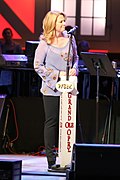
(75, 54)
(48, 75)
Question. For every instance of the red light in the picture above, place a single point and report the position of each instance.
(99, 50)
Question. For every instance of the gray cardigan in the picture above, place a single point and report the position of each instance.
(49, 61)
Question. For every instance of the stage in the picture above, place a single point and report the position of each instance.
(88, 160)
(33, 167)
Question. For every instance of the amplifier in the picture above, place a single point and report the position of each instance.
(16, 60)
(30, 47)
(10, 169)
(94, 160)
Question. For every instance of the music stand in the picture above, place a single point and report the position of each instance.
(98, 64)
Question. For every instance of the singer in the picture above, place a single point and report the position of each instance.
(50, 63)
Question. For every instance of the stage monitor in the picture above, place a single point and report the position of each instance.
(95, 61)
(95, 160)
(30, 47)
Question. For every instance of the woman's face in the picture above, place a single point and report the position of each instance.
(60, 23)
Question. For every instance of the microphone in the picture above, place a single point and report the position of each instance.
(72, 30)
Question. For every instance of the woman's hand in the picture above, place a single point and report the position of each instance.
(62, 73)
(72, 72)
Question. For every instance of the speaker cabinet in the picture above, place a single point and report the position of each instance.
(94, 160)
(10, 169)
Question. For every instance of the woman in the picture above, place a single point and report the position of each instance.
(50, 63)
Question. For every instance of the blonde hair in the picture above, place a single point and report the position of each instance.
(49, 23)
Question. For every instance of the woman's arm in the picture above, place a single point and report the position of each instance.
(74, 70)
(48, 75)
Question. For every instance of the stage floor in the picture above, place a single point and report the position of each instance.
(34, 167)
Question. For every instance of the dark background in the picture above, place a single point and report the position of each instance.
(29, 113)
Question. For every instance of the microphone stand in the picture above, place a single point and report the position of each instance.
(97, 66)
(67, 73)
(71, 32)
(106, 133)
(68, 66)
